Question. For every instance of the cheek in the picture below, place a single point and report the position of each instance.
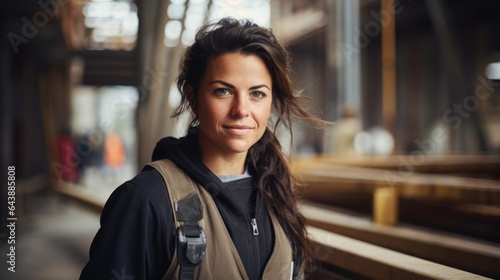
(211, 111)
(263, 115)
(268, 110)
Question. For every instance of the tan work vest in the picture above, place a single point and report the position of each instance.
(221, 260)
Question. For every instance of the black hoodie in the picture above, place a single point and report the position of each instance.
(137, 235)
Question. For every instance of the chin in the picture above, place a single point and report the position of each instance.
(238, 147)
(238, 150)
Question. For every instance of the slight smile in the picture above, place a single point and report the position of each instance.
(239, 130)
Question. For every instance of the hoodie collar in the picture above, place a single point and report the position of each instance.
(184, 152)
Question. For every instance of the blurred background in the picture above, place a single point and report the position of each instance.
(410, 166)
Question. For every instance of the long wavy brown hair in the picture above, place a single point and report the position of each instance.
(266, 159)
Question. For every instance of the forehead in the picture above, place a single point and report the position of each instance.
(239, 66)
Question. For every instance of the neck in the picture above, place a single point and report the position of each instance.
(223, 164)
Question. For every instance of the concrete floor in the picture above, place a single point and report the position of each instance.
(52, 240)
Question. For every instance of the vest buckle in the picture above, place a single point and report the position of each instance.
(191, 247)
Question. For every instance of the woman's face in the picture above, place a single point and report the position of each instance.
(234, 103)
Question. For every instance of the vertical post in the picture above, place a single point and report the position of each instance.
(385, 206)
(152, 61)
(440, 18)
(344, 47)
(389, 68)
(48, 121)
(351, 68)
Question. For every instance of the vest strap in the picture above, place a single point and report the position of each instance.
(191, 250)
(187, 272)
(188, 211)
(191, 240)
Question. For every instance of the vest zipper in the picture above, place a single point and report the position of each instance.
(256, 241)
(256, 246)
(254, 227)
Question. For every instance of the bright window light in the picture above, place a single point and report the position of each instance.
(493, 71)
(258, 11)
(111, 22)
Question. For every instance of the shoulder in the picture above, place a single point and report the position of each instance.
(136, 231)
(146, 190)
(151, 184)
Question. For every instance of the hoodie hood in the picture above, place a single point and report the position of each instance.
(184, 152)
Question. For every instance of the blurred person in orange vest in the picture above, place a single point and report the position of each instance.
(114, 153)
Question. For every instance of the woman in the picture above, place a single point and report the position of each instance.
(238, 216)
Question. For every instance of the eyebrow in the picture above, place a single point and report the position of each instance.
(233, 87)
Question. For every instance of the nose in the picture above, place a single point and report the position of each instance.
(239, 107)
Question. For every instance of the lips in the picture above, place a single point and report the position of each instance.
(239, 130)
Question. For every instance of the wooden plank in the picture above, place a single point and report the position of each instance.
(418, 162)
(89, 198)
(32, 185)
(26, 188)
(321, 179)
(456, 251)
(478, 221)
(376, 262)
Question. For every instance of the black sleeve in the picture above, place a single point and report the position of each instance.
(136, 238)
